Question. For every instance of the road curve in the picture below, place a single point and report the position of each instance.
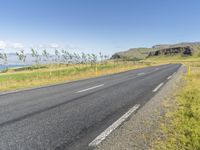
(71, 115)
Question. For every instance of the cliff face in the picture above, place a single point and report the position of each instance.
(183, 49)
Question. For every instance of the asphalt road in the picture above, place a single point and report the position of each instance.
(71, 115)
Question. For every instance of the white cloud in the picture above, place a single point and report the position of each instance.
(48, 46)
(10, 45)
(53, 45)
(18, 45)
(3, 44)
(42, 46)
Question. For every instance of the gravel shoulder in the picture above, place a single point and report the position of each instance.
(138, 132)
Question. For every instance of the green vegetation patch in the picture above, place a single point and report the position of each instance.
(182, 132)
(41, 75)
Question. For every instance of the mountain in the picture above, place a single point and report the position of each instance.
(183, 49)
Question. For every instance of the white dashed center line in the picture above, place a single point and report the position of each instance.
(140, 74)
(94, 87)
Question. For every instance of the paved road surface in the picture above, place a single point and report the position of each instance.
(71, 115)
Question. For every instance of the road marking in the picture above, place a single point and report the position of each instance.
(111, 128)
(159, 86)
(140, 74)
(94, 87)
(169, 77)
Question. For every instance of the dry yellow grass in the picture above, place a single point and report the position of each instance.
(182, 130)
(54, 74)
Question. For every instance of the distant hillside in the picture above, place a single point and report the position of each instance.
(183, 49)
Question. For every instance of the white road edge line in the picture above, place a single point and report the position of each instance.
(159, 86)
(169, 77)
(94, 87)
(111, 128)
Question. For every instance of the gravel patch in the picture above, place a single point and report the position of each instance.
(138, 132)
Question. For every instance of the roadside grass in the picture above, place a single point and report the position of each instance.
(35, 76)
(180, 128)
(174, 59)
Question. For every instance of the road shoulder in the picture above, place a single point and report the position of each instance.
(140, 129)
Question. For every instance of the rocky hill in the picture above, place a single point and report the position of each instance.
(182, 49)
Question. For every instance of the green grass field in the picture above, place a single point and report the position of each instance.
(51, 74)
(173, 59)
(182, 130)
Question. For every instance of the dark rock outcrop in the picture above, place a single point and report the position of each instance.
(182, 49)
(185, 51)
(116, 56)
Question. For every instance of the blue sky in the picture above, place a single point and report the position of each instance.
(97, 25)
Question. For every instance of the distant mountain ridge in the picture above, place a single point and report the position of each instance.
(175, 45)
(184, 48)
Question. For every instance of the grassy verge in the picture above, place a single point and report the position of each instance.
(51, 74)
(181, 127)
